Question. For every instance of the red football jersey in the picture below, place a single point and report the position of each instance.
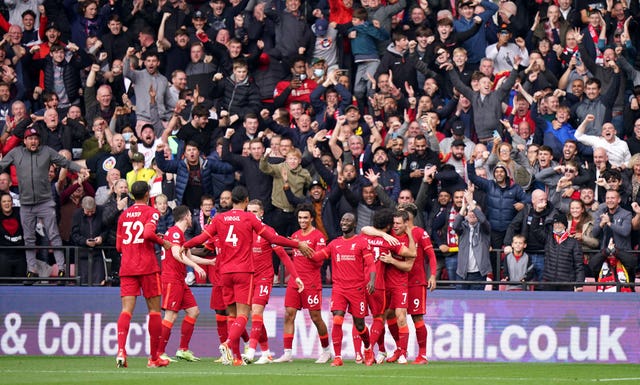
(308, 269)
(394, 277)
(379, 246)
(235, 229)
(424, 252)
(351, 262)
(172, 270)
(262, 253)
(135, 239)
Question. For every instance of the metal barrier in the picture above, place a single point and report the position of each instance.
(70, 251)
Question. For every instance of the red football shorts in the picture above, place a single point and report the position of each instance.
(397, 297)
(177, 296)
(310, 299)
(354, 300)
(217, 300)
(377, 302)
(417, 300)
(262, 290)
(148, 283)
(237, 288)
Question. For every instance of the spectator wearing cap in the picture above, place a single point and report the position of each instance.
(388, 178)
(503, 53)
(51, 37)
(477, 43)
(457, 134)
(504, 199)
(563, 260)
(325, 44)
(139, 172)
(323, 205)
(87, 232)
(32, 165)
(456, 156)
(318, 70)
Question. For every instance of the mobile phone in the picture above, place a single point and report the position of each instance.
(578, 59)
(496, 134)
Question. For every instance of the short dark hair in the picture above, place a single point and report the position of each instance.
(28, 12)
(401, 214)
(239, 194)
(206, 197)
(360, 14)
(200, 110)
(139, 189)
(306, 207)
(383, 218)
(180, 212)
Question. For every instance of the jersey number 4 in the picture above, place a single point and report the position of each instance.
(231, 237)
(132, 232)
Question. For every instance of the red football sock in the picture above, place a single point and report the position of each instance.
(165, 334)
(264, 339)
(403, 340)
(336, 335)
(155, 330)
(186, 331)
(288, 341)
(257, 325)
(124, 320)
(357, 341)
(235, 332)
(222, 327)
(377, 330)
(421, 336)
(392, 324)
(324, 340)
(364, 335)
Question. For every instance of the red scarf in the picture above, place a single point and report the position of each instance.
(561, 238)
(595, 36)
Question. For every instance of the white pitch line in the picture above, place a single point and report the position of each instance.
(163, 372)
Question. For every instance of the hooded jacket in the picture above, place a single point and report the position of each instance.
(500, 200)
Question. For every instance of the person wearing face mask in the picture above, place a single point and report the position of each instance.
(563, 257)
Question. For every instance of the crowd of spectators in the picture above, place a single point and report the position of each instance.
(511, 125)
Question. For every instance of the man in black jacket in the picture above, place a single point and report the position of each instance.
(563, 257)
(530, 222)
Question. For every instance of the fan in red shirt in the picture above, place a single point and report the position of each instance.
(235, 229)
(418, 283)
(385, 248)
(136, 234)
(263, 277)
(353, 272)
(175, 292)
(311, 297)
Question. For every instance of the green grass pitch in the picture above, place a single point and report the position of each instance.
(102, 370)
